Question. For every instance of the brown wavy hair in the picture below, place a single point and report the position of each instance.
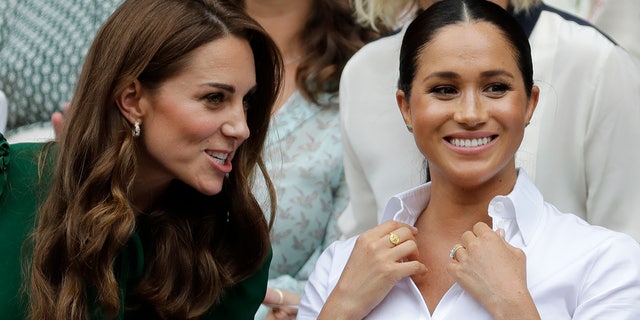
(192, 250)
(331, 37)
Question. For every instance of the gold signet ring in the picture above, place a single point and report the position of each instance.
(394, 239)
(455, 248)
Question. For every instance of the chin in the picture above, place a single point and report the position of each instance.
(210, 190)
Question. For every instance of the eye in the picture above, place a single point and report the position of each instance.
(497, 89)
(247, 101)
(214, 98)
(444, 92)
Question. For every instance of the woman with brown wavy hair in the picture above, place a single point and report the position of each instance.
(151, 211)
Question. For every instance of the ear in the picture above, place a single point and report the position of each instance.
(129, 102)
(403, 104)
(532, 103)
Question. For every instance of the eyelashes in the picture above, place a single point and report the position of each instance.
(497, 89)
(215, 98)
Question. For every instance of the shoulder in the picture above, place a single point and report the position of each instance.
(19, 162)
(569, 32)
(24, 179)
(20, 193)
(587, 240)
(379, 55)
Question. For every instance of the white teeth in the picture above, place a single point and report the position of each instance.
(219, 157)
(470, 142)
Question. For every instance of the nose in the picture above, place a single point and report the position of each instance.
(236, 124)
(470, 111)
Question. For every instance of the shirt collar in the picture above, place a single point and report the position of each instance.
(407, 206)
(523, 205)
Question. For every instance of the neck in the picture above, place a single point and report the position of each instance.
(148, 186)
(284, 20)
(457, 208)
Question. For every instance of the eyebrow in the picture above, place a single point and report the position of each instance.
(222, 86)
(441, 74)
(499, 72)
(453, 75)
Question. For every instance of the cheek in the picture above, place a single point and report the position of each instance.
(427, 120)
(511, 108)
(427, 115)
(173, 135)
(183, 121)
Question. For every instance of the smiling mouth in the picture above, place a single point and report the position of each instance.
(219, 157)
(470, 143)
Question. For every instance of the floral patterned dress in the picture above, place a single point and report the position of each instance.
(303, 155)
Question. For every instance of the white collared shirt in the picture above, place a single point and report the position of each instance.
(574, 270)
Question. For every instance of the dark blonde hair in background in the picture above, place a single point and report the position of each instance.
(88, 216)
(385, 15)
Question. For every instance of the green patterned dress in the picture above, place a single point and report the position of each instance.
(22, 189)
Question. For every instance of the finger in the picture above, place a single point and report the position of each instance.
(407, 250)
(481, 228)
(285, 313)
(390, 226)
(460, 254)
(409, 268)
(467, 238)
(281, 299)
(57, 120)
(274, 297)
(454, 251)
(399, 236)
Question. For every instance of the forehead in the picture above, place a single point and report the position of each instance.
(226, 50)
(226, 57)
(467, 44)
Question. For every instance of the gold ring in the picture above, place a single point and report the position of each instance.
(394, 239)
(455, 248)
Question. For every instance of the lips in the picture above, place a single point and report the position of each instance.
(218, 157)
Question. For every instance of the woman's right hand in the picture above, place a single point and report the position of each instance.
(374, 267)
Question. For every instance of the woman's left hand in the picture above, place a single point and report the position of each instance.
(283, 304)
(494, 273)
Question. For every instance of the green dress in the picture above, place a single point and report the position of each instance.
(22, 190)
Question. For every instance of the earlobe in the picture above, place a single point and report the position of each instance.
(129, 102)
(403, 105)
(532, 103)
